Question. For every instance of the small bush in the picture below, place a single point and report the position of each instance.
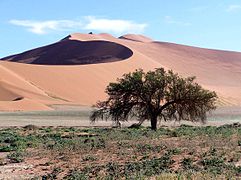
(187, 163)
(53, 174)
(148, 148)
(174, 151)
(89, 158)
(7, 148)
(15, 157)
(213, 164)
(76, 174)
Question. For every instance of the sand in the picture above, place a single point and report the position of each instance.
(40, 78)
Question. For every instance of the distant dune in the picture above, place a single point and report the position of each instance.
(77, 69)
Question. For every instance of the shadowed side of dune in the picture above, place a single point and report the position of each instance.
(73, 52)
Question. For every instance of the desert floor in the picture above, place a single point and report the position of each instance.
(78, 116)
(64, 144)
(184, 152)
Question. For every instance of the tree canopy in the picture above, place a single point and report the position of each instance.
(154, 95)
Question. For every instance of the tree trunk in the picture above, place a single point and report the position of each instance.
(154, 122)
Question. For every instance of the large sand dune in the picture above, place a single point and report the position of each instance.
(77, 69)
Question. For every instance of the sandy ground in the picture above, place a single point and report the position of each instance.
(79, 116)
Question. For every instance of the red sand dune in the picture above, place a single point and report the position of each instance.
(35, 79)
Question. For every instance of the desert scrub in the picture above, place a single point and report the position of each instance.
(106, 153)
(8, 141)
(210, 131)
(127, 134)
(56, 142)
(89, 158)
(187, 163)
(12, 141)
(53, 174)
(16, 157)
(149, 148)
(239, 142)
(115, 170)
(174, 151)
(76, 174)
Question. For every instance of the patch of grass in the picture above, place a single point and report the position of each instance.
(16, 157)
(52, 175)
(11, 141)
(174, 151)
(114, 170)
(213, 164)
(6, 148)
(239, 142)
(187, 163)
(238, 170)
(148, 148)
(76, 174)
(210, 131)
(89, 158)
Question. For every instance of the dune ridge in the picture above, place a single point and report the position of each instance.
(60, 82)
(136, 37)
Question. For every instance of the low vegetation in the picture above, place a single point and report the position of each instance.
(168, 153)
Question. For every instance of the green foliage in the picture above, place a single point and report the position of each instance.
(148, 148)
(56, 142)
(15, 157)
(238, 170)
(11, 141)
(53, 174)
(213, 164)
(174, 151)
(6, 148)
(211, 131)
(114, 170)
(155, 94)
(75, 174)
(89, 158)
(239, 142)
(187, 163)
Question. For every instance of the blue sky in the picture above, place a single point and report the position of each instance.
(26, 24)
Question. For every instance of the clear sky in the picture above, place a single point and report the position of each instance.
(26, 24)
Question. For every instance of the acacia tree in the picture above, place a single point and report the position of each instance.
(155, 95)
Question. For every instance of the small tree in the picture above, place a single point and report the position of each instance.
(155, 95)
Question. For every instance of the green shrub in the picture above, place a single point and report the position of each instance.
(89, 158)
(187, 163)
(15, 157)
(144, 148)
(239, 142)
(7, 148)
(174, 151)
(53, 174)
(213, 164)
(76, 174)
